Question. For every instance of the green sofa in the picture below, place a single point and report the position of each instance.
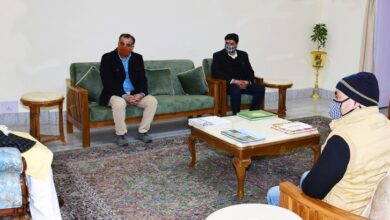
(84, 112)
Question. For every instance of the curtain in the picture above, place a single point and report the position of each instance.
(367, 52)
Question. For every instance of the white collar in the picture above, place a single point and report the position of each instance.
(4, 129)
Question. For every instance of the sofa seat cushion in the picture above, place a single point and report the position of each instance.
(104, 113)
(166, 104)
(183, 103)
(245, 99)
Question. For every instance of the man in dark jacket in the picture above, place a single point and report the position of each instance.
(233, 66)
(124, 81)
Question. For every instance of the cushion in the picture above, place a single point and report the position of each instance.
(194, 81)
(159, 81)
(92, 82)
(381, 200)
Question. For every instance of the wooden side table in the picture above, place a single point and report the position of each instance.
(282, 86)
(36, 100)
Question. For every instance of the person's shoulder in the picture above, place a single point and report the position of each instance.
(241, 52)
(109, 54)
(136, 55)
(219, 53)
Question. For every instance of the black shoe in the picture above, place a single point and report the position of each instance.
(121, 140)
(145, 137)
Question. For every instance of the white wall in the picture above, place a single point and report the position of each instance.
(39, 39)
(344, 19)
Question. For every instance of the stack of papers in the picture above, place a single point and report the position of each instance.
(293, 127)
(256, 115)
(242, 135)
(208, 122)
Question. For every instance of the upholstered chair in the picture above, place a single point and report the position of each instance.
(13, 188)
(224, 98)
(292, 198)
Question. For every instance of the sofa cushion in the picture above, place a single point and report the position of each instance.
(176, 67)
(166, 104)
(77, 70)
(159, 81)
(92, 82)
(194, 81)
(183, 103)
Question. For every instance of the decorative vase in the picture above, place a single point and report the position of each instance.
(317, 61)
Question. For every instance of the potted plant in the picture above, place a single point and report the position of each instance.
(319, 36)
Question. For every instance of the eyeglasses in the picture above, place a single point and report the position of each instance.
(127, 45)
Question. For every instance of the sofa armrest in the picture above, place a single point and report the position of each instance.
(11, 160)
(292, 198)
(214, 90)
(77, 102)
(259, 80)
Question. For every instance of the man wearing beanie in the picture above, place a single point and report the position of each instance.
(356, 154)
(233, 66)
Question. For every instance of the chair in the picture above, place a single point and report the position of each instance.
(224, 100)
(13, 188)
(292, 198)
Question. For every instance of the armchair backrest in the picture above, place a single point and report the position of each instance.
(11, 166)
(206, 63)
(380, 202)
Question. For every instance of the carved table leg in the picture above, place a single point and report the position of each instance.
(316, 150)
(191, 147)
(241, 165)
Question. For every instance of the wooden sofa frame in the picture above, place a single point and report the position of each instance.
(21, 211)
(308, 208)
(78, 112)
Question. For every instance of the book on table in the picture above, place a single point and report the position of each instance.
(208, 122)
(243, 135)
(293, 127)
(256, 115)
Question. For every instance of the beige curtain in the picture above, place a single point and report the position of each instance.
(367, 52)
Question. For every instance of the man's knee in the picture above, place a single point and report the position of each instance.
(151, 101)
(234, 89)
(259, 89)
(273, 195)
(118, 103)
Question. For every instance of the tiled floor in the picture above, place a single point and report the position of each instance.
(295, 109)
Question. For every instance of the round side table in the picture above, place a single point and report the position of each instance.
(253, 211)
(282, 86)
(36, 100)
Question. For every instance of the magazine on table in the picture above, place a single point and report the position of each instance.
(209, 121)
(243, 135)
(295, 127)
(256, 115)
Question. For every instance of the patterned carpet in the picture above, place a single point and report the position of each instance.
(153, 181)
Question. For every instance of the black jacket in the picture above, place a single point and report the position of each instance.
(113, 75)
(222, 67)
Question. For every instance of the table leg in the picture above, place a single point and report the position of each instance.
(34, 122)
(316, 150)
(241, 165)
(191, 147)
(282, 102)
(61, 123)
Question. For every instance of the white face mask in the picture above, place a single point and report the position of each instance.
(335, 109)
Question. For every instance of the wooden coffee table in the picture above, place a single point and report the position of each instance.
(276, 143)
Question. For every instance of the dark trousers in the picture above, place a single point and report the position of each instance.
(257, 91)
